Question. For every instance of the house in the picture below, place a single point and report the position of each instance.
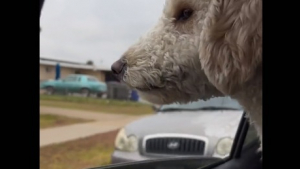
(47, 69)
(115, 89)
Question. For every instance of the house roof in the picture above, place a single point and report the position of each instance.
(71, 64)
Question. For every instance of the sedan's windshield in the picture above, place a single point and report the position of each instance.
(217, 103)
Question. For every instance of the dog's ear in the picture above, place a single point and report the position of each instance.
(231, 43)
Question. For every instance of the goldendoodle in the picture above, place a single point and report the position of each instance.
(200, 49)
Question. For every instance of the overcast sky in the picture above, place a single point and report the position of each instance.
(97, 30)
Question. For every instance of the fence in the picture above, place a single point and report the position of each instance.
(118, 91)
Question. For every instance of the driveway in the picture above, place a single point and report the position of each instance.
(104, 122)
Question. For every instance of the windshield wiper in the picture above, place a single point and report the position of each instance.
(175, 109)
(217, 108)
(202, 108)
(170, 109)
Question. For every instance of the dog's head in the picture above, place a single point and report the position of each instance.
(164, 65)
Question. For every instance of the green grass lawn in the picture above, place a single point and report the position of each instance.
(47, 120)
(78, 154)
(97, 105)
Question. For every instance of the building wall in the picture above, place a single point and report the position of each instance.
(98, 74)
(48, 72)
(64, 72)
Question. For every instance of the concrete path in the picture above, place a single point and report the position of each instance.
(89, 115)
(103, 123)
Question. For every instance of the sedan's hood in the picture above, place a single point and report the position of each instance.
(205, 123)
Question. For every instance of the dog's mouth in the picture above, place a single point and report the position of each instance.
(148, 88)
(144, 88)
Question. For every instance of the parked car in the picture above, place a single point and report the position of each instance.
(202, 128)
(243, 155)
(82, 84)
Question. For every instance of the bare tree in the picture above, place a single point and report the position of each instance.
(89, 62)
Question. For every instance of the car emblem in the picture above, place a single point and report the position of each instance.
(173, 145)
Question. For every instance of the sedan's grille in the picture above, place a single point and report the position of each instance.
(174, 146)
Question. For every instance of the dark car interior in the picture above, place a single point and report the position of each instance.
(243, 155)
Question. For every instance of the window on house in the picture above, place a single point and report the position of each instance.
(48, 69)
(77, 72)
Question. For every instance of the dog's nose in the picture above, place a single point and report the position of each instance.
(118, 67)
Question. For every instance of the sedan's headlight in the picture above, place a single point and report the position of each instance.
(224, 146)
(125, 143)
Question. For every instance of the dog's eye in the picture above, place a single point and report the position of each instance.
(185, 14)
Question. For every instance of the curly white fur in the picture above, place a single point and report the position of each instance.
(226, 35)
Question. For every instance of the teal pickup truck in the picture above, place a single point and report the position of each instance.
(82, 84)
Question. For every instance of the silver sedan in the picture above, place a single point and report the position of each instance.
(202, 128)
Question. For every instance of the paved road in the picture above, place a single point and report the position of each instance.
(104, 122)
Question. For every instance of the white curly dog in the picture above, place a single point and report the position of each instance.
(200, 49)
